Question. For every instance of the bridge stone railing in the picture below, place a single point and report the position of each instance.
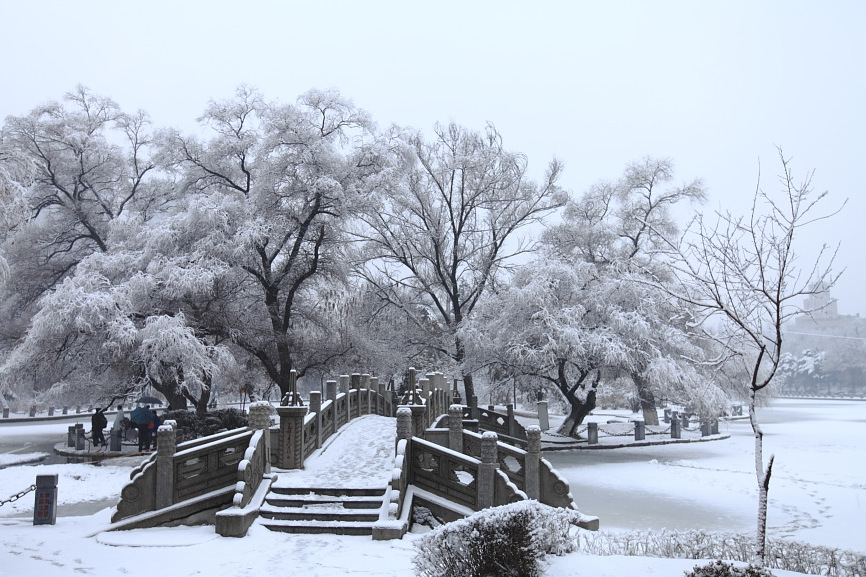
(471, 470)
(303, 429)
(206, 470)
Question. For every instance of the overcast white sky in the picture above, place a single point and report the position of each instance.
(715, 86)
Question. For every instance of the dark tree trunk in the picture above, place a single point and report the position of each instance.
(647, 401)
(579, 408)
(577, 413)
(172, 393)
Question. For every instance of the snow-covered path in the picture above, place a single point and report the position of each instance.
(359, 455)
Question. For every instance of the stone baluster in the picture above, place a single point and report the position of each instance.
(432, 398)
(331, 391)
(455, 428)
(166, 447)
(410, 386)
(486, 481)
(344, 388)
(380, 395)
(512, 424)
(473, 407)
(356, 388)
(316, 407)
(260, 420)
(533, 462)
(368, 393)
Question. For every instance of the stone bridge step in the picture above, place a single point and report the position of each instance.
(329, 527)
(339, 511)
(312, 499)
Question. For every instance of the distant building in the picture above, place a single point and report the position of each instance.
(841, 337)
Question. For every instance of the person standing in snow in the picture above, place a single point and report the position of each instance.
(145, 431)
(118, 418)
(98, 422)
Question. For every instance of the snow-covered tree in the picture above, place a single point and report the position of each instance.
(236, 264)
(266, 200)
(802, 373)
(590, 286)
(77, 166)
(447, 222)
(572, 327)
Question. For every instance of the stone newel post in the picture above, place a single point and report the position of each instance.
(331, 391)
(260, 420)
(487, 470)
(455, 428)
(291, 437)
(405, 429)
(533, 462)
(166, 447)
(419, 419)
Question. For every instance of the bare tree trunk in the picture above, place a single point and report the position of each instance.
(763, 479)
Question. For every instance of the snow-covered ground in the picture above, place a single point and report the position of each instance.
(818, 496)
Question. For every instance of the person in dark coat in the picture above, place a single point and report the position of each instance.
(98, 422)
(145, 430)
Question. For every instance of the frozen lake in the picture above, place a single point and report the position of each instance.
(817, 492)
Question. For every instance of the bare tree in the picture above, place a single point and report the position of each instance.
(742, 271)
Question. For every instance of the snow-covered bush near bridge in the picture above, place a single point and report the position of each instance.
(510, 540)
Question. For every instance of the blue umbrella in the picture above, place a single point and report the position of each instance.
(141, 416)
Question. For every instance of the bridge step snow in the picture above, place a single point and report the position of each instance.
(322, 510)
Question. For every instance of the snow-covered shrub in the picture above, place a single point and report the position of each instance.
(721, 569)
(781, 554)
(510, 540)
(194, 425)
(424, 516)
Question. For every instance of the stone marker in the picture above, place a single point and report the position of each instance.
(676, 431)
(639, 430)
(592, 433)
(543, 417)
(115, 443)
(45, 508)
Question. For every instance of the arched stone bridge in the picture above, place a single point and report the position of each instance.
(452, 459)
